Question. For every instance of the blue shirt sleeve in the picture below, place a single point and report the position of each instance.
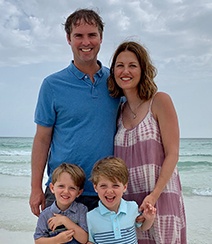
(45, 113)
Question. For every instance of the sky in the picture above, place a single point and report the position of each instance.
(176, 33)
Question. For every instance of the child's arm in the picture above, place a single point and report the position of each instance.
(147, 218)
(79, 234)
(62, 237)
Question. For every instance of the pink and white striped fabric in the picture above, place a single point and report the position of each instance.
(142, 150)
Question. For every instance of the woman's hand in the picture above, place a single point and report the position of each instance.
(149, 199)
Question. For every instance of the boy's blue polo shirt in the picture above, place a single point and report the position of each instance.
(106, 226)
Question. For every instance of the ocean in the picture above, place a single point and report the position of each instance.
(17, 223)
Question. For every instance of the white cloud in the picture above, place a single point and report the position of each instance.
(177, 34)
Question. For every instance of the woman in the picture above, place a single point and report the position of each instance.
(148, 141)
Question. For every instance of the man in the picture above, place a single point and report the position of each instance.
(75, 116)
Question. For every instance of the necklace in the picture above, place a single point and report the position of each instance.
(135, 113)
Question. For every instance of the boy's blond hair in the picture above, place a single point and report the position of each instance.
(76, 173)
(112, 168)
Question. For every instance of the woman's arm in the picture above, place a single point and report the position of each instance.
(164, 112)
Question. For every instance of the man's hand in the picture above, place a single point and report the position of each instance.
(37, 202)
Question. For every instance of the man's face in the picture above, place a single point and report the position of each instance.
(85, 41)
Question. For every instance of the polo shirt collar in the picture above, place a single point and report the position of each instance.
(80, 75)
(122, 208)
(55, 209)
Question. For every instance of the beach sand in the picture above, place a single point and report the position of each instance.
(198, 211)
(22, 237)
(17, 223)
(199, 216)
(19, 228)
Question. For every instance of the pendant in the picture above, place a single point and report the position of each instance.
(134, 116)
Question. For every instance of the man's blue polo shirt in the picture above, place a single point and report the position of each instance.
(83, 117)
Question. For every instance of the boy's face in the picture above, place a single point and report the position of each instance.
(110, 193)
(65, 191)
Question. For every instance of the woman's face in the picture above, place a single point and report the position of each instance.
(127, 71)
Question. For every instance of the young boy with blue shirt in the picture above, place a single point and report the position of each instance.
(65, 220)
(115, 220)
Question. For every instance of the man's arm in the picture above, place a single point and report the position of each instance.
(40, 150)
